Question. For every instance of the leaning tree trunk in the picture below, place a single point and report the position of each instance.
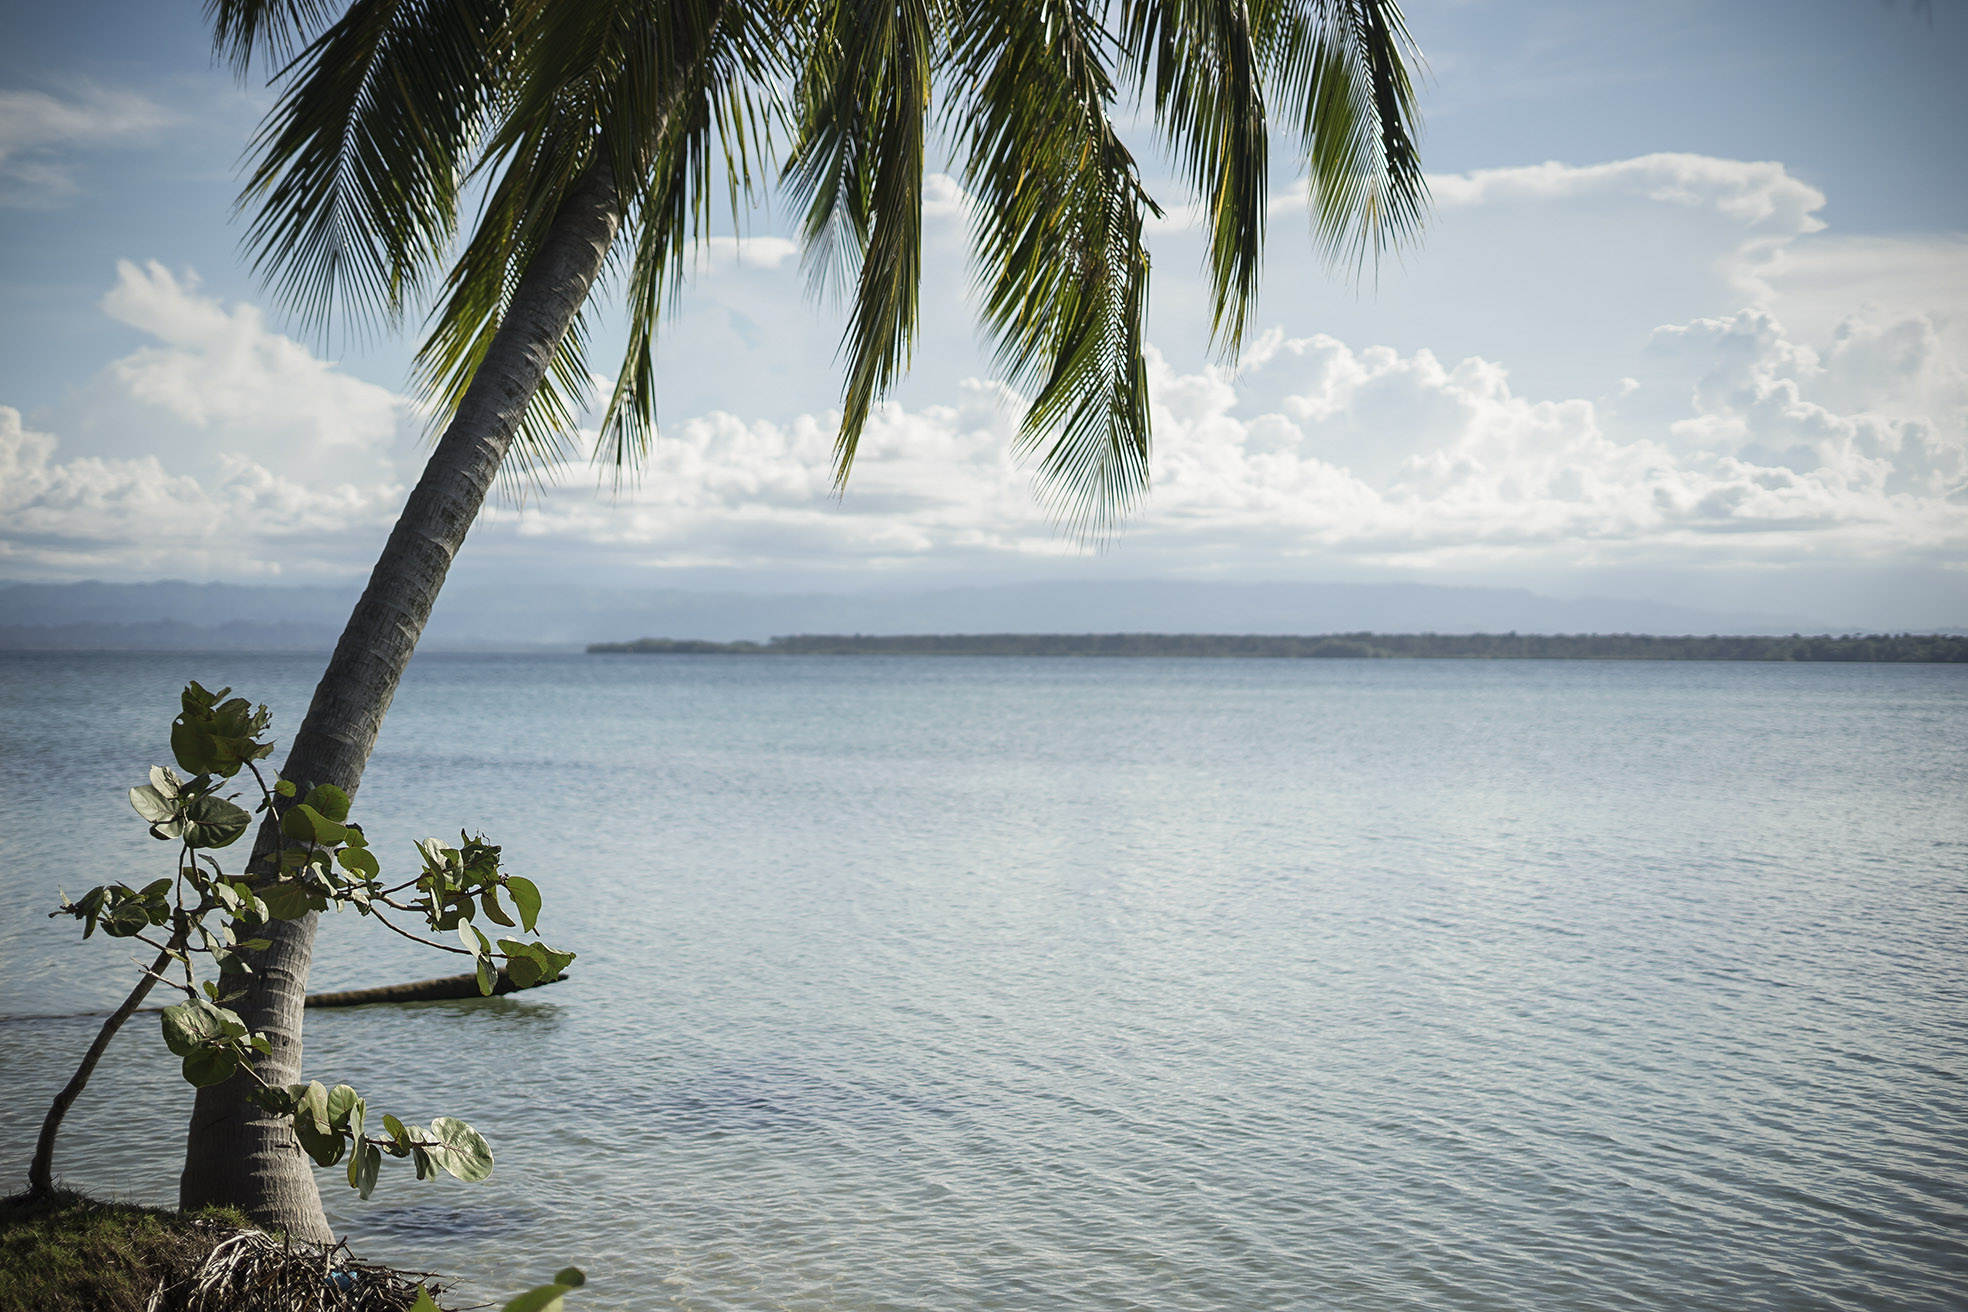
(236, 1154)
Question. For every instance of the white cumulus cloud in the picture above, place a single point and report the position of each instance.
(222, 447)
(223, 369)
(1729, 448)
(1691, 403)
(134, 517)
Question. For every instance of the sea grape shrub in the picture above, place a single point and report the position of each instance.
(311, 858)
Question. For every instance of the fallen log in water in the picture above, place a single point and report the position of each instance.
(423, 990)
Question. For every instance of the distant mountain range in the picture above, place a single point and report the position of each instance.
(180, 616)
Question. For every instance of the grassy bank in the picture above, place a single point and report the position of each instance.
(70, 1253)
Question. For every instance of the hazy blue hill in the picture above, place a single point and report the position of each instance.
(167, 635)
(170, 616)
(96, 602)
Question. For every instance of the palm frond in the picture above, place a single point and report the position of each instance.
(387, 111)
(861, 108)
(355, 188)
(713, 123)
(1058, 213)
(269, 30)
(1342, 68)
(641, 91)
(1202, 58)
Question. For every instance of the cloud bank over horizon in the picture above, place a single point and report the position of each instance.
(1679, 368)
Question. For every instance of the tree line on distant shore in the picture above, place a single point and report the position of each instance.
(1896, 647)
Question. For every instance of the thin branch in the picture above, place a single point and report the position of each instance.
(189, 990)
(447, 947)
(152, 943)
(266, 794)
(40, 1173)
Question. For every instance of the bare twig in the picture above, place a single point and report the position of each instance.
(40, 1172)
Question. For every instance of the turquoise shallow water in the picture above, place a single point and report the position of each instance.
(974, 983)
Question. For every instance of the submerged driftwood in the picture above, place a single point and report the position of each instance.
(423, 990)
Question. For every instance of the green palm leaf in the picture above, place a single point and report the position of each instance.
(391, 106)
(266, 30)
(1204, 63)
(355, 185)
(713, 125)
(861, 106)
(1341, 68)
(1057, 209)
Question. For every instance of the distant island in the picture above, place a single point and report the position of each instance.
(1901, 647)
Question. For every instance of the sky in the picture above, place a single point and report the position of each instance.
(1688, 323)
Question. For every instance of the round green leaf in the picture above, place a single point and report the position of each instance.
(359, 861)
(330, 801)
(214, 737)
(325, 1148)
(209, 1065)
(526, 898)
(194, 749)
(364, 1164)
(461, 1150)
(495, 913)
(277, 1100)
(305, 824)
(152, 804)
(522, 969)
(214, 822)
(312, 1104)
(188, 1025)
(126, 918)
(286, 901)
(341, 1101)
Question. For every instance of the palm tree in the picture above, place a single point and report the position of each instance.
(602, 132)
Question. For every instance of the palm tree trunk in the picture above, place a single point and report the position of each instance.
(236, 1154)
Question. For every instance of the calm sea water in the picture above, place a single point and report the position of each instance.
(971, 983)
